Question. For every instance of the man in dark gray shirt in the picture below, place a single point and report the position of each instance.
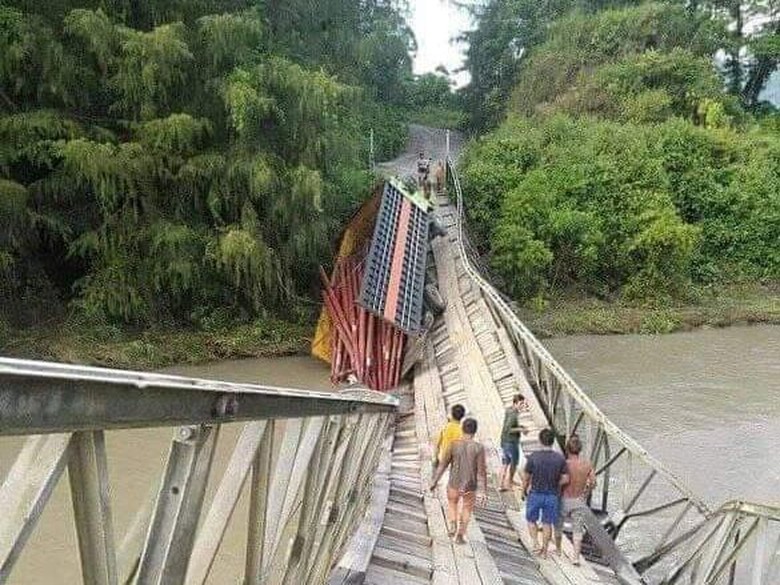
(544, 474)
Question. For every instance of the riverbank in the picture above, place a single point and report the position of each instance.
(154, 348)
(733, 305)
(160, 347)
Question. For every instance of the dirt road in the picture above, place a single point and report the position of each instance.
(430, 141)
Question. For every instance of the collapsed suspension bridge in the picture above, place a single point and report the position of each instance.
(336, 480)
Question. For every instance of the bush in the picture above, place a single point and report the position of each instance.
(629, 209)
(580, 43)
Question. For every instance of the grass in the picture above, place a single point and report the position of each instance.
(107, 345)
(574, 315)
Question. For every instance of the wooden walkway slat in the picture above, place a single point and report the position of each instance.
(491, 374)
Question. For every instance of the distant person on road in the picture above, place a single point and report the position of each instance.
(468, 479)
(510, 441)
(451, 432)
(544, 474)
(582, 479)
(423, 169)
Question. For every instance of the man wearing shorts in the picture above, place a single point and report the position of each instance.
(468, 479)
(510, 441)
(544, 474)
(582, 480)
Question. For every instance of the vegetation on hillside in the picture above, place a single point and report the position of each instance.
(625, 166)
(170, 163)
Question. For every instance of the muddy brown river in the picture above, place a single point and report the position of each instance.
(706, 403)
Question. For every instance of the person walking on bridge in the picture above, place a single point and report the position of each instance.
(468, 479)
(544, 474)
(582, 479)
(510, 441)
(451, 432)
(423, 169)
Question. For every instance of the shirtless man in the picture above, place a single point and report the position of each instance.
(439, 177)
(468, 479)
(582, 479)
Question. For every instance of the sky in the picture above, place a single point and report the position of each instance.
(435, 24)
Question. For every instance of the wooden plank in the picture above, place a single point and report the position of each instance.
(378, 575)
(405, 563)
(466, 560)
(480, 389)
(404, 545)
(442, 555)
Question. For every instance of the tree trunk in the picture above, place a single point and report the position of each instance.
(759, 75)
(734, 64)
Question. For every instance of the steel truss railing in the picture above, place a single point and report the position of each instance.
(669, 533)
(308, 459)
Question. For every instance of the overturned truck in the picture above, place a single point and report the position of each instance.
(378, 300)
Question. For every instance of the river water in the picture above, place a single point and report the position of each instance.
(135, 461)
(706, 403)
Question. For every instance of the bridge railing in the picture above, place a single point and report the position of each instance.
(658, 522)
(307, 459)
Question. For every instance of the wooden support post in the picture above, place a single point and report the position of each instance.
(89, 490)
(172, 529)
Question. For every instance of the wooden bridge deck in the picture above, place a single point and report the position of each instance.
(468, 359)
(480, 355)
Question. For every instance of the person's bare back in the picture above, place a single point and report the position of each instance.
(581, 477)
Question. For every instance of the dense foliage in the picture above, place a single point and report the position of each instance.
(163, 160)
(745, 34)
(624, 166)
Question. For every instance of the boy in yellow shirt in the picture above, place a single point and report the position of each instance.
(451, 432)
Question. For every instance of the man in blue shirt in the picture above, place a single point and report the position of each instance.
(544, 474)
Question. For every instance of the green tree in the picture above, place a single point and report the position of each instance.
(165, 159)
